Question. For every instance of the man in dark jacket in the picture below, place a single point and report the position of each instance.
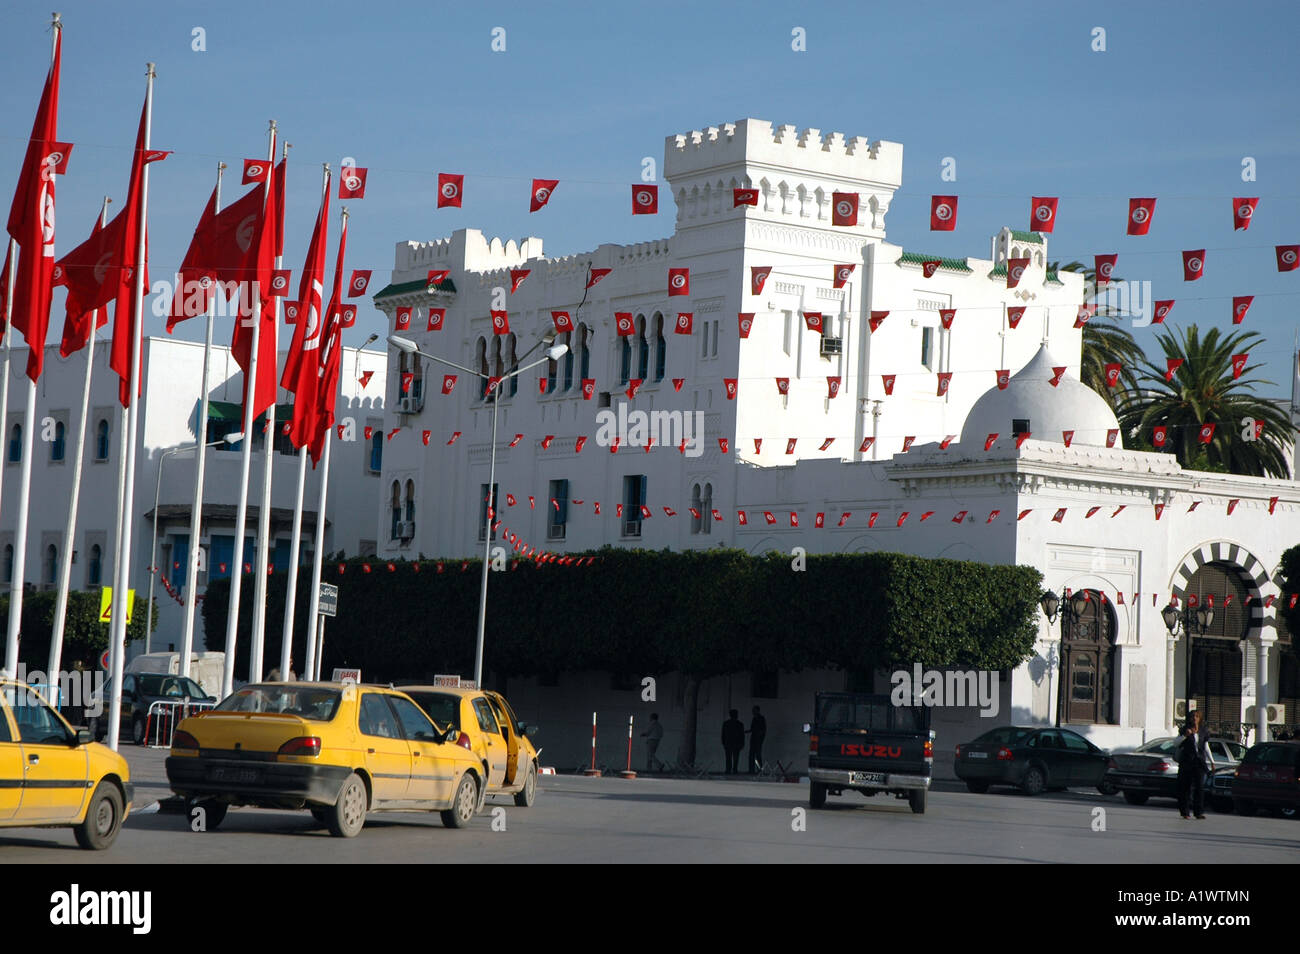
(733, 740)
(1195, 762)
(757, 733)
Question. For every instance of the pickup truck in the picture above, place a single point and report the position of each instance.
(865, 743)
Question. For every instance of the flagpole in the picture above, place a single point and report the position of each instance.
(4, 374)
(25, 477)
(291, 587)
(313, 606)
(117, 637)
(196, 511)
(70, 531)
(262, 568)
(246, 458)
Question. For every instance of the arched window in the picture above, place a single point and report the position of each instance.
(1213, 676)
(661, 348)
(625, 360)
(58, 447)
(552, 373)
(16, 444)
(396, 508)
(51, 564)
(706, 509)
(101, 440)
(480, 357)
(9, 563)
(95, 568)
(643, 349)
(417, 381)
(1088, 663)
(410, 501)
(696, 504)
(584, 354)
(514, 364)
(568, 361)
(498, 367)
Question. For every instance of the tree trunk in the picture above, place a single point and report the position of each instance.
(690, 717)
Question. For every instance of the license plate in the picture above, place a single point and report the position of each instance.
(977, 755)
(1128, 780)
(868, 778)
(243, 776)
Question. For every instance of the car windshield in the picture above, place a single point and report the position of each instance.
(868, 713)
(1004, 735)
(156, 684)
(441, 708)
(309, 702)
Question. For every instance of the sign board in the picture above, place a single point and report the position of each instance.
(329, 600)
(106, 605)
(454, 682)
(347, 675)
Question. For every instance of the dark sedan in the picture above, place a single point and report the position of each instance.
(1268, 777)
(1031, 759)
(139, 692)
(1150, 771)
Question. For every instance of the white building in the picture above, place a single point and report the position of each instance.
(169, 409)
(833, 455)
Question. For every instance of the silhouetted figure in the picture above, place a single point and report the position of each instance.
(733, 740)
(652, 735)
(757, 733)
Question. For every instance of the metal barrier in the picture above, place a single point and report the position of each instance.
(163, 717)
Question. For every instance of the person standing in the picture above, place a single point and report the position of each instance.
(652, 735)
(757, 733)
(733, 740)
(1194, 764)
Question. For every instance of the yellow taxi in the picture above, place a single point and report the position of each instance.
(488, 727)
(54, 775)
(338, 749)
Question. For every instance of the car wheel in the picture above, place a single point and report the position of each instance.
(1243, 807)
(916, 798)
(1136, 798)
(464, 805)
(103, 818)
(1034, 782)
(979, 788)
(348, 815)
(817, 794)
(1108, 788)
(137, 730)
(214, 813)
(525, 797)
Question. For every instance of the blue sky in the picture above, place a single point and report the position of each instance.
(1014, 93)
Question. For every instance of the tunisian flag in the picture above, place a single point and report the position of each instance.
(327, 387)
(125, 262)
(263, 248)
(196, 280)
(302, 366)
(77, 327)
(31, 220)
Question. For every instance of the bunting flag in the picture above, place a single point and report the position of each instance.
(255, 170)
(424, 436)
(990, 441)
(394, 432)
(1161, 311)
(1067, 437)
(1288, 257)
(1112, 435)
(1193, 506)
(541, 193)
(1004, 378)
(741, 518)
(745, 321)
(946, 315)
(280, 279)
(359, 282)
(819, 521)
(866, 444)
(563, 322)
(902, 517)
(993, 516)
(1160, 509)
(1014, 314)
(832, 386)
(842, 274)
(436, 277)
(783, 386)
(794, 519)
(436, 318)
(758, 278)
(1241, 305)
(844, 208)
(1103, 268)
(948, 439)
(1022, 437)
(1206, 433)
(844, 518)
(645, 200)
(876, 318)
(500, 322)
(758, 445)
(633, 386)
(685, 323)
(596, 275)
(1239, 364)
(945, 379)
(1242, 212)
(1057, 374)
(1172, 365)
(871, 520)
(943, 213)
(407, 379)
(1016, 270)
(1159, 434)
(352, 183)
(588, 388)
(1112, 369)
(1118, 509)
(1140, 213)
(1084, 313)
(517, 276)
(1042, 213)
(888, 381)
(826, 443)
(1091, 511)
(402, 319)
(741, 197)
(448, 383)
(451, 190)
(1272, 502)
(578, 445)
(723, 444)
(1023, 514)
(927, 515)
(813, 321)
(730, 385)
(679, 281)
(455, 436)
(959, 516)
(930, 266)
(517, 439)
(1193, 264)
(907, 442)
(541, 385)
(789, 445)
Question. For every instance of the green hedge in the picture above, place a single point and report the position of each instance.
(84, 637)
(636, 611)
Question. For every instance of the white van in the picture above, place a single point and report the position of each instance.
(206, 669)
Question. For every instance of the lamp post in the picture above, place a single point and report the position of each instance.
(1192, 621)
(153, 542)
(553, 353)
(1073, 608)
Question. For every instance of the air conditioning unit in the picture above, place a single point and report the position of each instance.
(1180, 708)
(406, 529)
(631, 528)
(1275, 714)
(831, 346)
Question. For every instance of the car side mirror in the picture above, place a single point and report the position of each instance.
(806, 728)
(83, 737)
(523, 728)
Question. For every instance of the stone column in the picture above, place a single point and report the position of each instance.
(1171, 647)
(1262, 643)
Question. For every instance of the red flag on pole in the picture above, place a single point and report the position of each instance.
(262, 252)
(75, 267)
(196, 280)
(302, 366)
(330, 357)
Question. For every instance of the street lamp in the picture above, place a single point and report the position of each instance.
(153, 542)
(553, 353)
(1193, 621)
(1074, 608)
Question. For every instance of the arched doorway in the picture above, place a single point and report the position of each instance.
(1214, 658)
(1088, 662)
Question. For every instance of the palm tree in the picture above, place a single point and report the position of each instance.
(1105, 343)
(1203, 391)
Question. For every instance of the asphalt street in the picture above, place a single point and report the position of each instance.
(577, 819)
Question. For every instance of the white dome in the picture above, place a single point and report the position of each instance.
(1029, 395)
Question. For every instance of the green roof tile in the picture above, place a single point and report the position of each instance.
(952, 264)
(406, 288)
(1026, 236)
